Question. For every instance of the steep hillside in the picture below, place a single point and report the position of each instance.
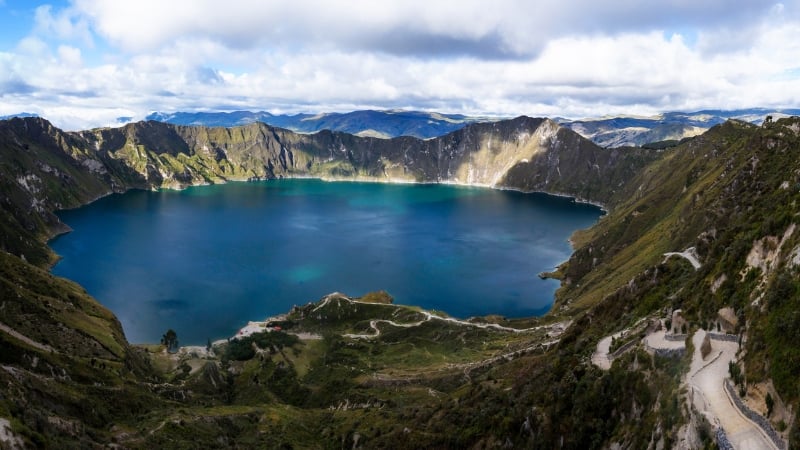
(365, 373)
(523, 153)
(45, 169)
(671, 126)
(732, 194)
(65, 366)
(42, 170)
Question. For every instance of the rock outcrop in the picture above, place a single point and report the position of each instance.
(45, 169)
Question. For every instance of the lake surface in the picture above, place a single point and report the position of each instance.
(207, 259)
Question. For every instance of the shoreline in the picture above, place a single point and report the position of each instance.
(574, 198)
(64, 228)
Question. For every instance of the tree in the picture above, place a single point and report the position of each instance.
(208, 345)
(170, 339)
(770, 403)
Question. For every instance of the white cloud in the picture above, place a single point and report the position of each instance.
(70, 56)
(572, 59)
(66, 24)
(409, 27)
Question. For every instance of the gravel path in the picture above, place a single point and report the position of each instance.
(705, 380)
(690, 254)
(658, 340)
(600, 356)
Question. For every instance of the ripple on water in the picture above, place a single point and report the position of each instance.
(207, 259)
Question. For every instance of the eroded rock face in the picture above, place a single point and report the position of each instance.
(525, 153)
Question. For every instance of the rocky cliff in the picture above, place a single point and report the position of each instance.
(523, 153)
(399, 377)
(46, 169)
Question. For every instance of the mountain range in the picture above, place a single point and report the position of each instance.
(614, 131)
(363, 372)
(670, 126)
(383, 124)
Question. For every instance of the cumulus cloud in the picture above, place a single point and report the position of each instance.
(67, 24)
(410, 27)
(100, 60)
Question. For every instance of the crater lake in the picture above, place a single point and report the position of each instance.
(206, 260)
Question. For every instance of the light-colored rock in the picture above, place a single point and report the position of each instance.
(718, 282)
(7, 437)
(678, 322)
(727, 320)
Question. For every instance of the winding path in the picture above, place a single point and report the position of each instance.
(658, 340)
(600, 356)
(705, 379)
(374, 325)
(690, 254)
(553, 329)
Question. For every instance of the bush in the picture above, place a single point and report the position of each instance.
(770, 403)
(241, 349)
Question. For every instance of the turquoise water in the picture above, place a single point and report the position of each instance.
(207, 259)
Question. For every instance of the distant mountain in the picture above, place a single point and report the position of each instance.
(524, 154)
(614, 131)
(620, 130)
(22, 114)
(385, 376)
(381, 124)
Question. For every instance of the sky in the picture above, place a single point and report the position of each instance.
(87, 63)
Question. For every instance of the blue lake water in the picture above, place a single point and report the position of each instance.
(207, 259)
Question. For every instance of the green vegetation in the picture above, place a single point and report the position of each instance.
(244, 348)
(170, 340)
(366, 372)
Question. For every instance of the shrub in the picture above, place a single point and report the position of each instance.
(770, 403)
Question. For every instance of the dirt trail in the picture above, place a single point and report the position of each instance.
(26, 339)
(600, 356)
(690, 254)
(705, 380)
(658, 340)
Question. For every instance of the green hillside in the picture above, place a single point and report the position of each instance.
(351, 372)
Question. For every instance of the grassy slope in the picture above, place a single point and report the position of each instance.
(68, 372)
(665, 208)
(719, 192)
